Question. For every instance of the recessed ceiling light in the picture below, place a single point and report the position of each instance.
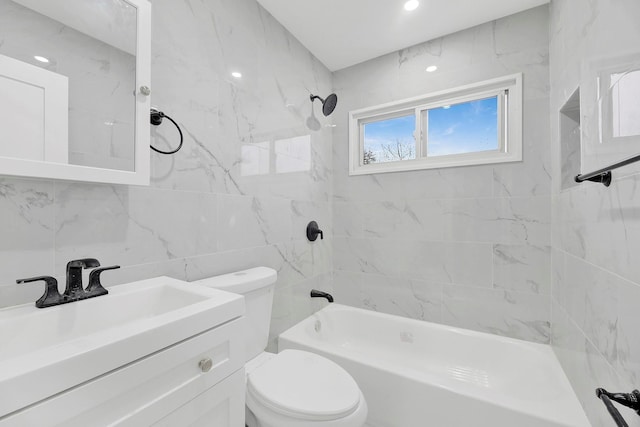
(411, 5)
(41, 59)
(431, 68)
(237, 75)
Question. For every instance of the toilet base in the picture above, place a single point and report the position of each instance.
(250, 419)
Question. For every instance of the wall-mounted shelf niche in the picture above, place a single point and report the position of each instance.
(570, 141)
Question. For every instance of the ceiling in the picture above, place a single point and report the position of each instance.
(341, 33)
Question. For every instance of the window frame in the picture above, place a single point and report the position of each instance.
(509, 92)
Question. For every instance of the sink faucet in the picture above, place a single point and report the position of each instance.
(74, 288)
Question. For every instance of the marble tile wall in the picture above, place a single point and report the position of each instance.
(595, 230)
(210, 208)
(465, 246)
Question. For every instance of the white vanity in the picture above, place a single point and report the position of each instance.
(154, 352)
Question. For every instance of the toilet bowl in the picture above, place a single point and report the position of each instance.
(293, 388)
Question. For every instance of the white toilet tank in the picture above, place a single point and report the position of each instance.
(257, 286)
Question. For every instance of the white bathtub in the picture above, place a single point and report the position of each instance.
(419, 374)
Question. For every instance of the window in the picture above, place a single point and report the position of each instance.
(470, 125)
(389, 139)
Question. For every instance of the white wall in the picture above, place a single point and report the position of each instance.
(203, 213)
(464, 246)
(596, 230)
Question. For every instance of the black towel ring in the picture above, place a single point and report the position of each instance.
(156, 120)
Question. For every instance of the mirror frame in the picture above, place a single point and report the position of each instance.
(141, 173)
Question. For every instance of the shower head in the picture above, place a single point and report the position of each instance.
(328, 104)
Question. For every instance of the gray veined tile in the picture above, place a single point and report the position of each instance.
(127, 226)
(523, 268)
(411, 220)
(499, 220)
(246, 221)
(347, 288)
(347, 220)
(416, 299)
(557, 274)
(584, 366)
(27, 229)
(604, 306)
(354, 255)
(508, 313)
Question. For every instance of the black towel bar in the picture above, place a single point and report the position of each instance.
(630, 400)
(604, 175)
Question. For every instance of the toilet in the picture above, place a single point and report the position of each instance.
(293, 388)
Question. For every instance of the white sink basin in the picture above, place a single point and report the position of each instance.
(46, 351)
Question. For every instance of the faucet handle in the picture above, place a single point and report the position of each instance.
(95, 288)
(313, 230)
(51, 295)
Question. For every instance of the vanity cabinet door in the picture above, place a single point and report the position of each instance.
(220, 406)
(143, 392)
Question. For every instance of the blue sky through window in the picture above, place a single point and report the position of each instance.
(458, 128)
(391, 139)
(467, 127)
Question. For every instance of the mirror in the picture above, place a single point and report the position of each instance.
(611, 130)
(71, 106)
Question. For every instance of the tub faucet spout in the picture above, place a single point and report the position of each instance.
(319, 294)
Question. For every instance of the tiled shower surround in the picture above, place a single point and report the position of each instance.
(464, 246)
(496, 248)
(596, 230)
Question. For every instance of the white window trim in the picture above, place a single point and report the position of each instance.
(512, 152)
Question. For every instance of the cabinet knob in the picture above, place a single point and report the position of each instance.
(205, 365)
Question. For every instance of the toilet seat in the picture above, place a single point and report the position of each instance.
(304, 386)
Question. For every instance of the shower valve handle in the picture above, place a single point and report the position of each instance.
(313, 231)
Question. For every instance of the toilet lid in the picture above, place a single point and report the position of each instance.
(305, 386)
